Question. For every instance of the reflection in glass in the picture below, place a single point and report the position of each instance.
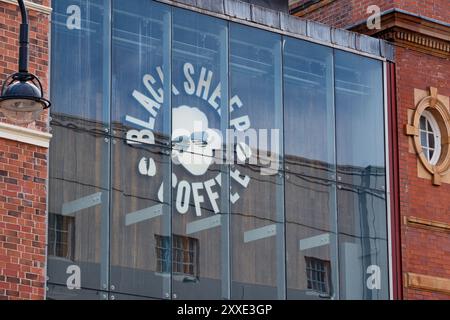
(78, 74)
(309, 152)
(139, 155)
(139, 32)
(61, 236)
(257, 231)
(199, 72)
(145, 209)
(318, 274)
(359, 120)
(309, 109)
(79, 188)
(362, 243)
(311, 238)
(137, 221)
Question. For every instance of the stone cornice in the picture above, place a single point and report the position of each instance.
(413, 32)
(427, 224)
(32, 6)
(25, 135)
(427, 283)
(413, 40)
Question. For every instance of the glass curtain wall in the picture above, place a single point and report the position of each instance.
(197, 158)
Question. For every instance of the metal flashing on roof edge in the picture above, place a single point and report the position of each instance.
(283, 23)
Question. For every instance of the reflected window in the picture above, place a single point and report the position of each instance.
(61, 232)
(318, 275)
(162, 254)
(184, 256)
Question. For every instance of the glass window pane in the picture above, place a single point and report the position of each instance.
(140, 239)
(431, 140)
(80, 63)
(199, 72)
(423, 139)
(78, 208)
(139, 264)
(363, 258)
(310, 237)
(139, 30)
(359, 120)
(309, 109)
(423, 123)
(256, 187)
(309, 146)
(57, 292)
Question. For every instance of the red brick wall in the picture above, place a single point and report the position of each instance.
(423, 251)
(344, 13)
(436, 9)
(23, 170)
(23, 174)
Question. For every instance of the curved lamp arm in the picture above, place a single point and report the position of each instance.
(23, 39)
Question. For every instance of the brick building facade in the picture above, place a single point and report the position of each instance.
(23, 164)
(345, 13)
(420, 30)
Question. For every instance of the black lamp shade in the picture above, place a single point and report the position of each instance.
(22, 100)
(23, 90)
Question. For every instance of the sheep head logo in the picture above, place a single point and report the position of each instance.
(192, 141)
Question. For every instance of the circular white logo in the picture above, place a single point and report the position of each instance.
(194, 143)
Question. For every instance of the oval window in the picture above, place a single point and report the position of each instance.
(430, 137)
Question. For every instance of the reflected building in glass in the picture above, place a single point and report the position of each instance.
(195, 157)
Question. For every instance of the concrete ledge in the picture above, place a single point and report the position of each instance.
(387, 50)
(238, 9)
(265, 16)
(281, 23)
(32, 6)
(343, 38)
(215, 6)
(318, 31)
(292, 24)
(427, 283)
(28, 136)
(368, 44)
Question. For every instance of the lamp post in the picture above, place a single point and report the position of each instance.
(22, 97)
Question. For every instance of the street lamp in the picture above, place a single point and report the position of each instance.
(22, 97)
